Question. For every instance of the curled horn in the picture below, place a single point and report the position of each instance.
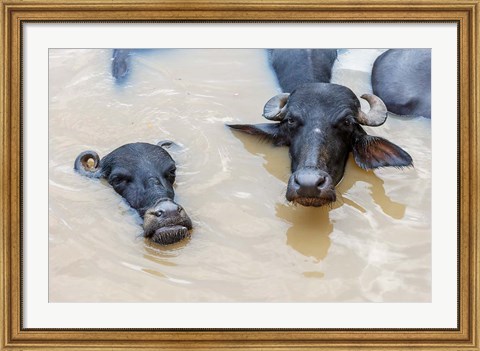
(88, 164)
(377, 114)
(168, 144)
(275, 109)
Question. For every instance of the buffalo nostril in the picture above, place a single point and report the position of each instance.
(296, 182)
(168, 209)
(321, 181)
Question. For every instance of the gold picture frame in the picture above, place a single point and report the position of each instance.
(464, 13)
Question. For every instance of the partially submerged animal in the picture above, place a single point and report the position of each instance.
(321, 123)
(143, 174)
(402, 79)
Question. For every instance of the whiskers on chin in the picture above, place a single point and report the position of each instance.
(326, 202)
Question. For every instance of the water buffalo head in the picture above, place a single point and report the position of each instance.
(143, 174)
(321, 124)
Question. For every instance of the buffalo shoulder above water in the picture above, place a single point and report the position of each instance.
(402, 79)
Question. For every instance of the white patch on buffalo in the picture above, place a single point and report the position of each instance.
(317, 130)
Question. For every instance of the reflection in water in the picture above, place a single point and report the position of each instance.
(162, 254)
(309, 231)
(354, 175)
(248, 243)
(277, 161)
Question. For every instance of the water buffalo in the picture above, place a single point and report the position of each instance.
(143, 174)
(321, 124)
(402, 79)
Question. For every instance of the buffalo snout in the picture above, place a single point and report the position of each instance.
(166, 222)
(311, 187)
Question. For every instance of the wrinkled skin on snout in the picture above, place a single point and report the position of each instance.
(143, 174)
(321, 125)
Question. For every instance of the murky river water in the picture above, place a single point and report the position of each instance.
(248, 243)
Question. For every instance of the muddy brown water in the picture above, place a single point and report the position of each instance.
(249, 243)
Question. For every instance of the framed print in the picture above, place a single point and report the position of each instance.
(247, 175)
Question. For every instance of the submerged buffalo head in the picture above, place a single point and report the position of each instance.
(321, 124)
(143, 174)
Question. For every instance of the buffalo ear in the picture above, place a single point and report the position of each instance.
(271, 131)
(374, 152)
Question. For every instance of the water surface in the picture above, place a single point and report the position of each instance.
(249, 243)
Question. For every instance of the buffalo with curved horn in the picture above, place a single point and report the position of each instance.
(143, 174)
(321, 123)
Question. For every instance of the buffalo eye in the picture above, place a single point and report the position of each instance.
(346, 122)
(155, 181)
(171, 174)
(292, 122)
(118, 180)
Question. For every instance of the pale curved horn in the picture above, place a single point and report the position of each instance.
(274, 109)
(88, 164)
(377, 114)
